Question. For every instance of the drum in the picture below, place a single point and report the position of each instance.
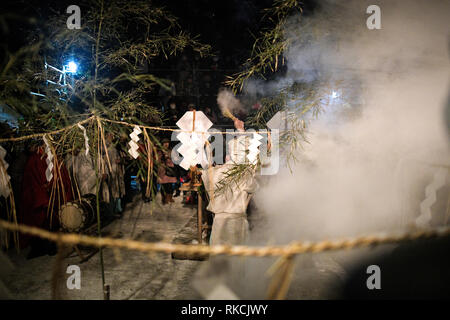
(76, 216)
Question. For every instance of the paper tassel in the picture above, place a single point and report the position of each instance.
(49, 160)
(86, 139)
(439, 180)
(133, 143)
(196, 125)
(254, 148)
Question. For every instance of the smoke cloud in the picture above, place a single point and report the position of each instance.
(386, 122)
(228, 102)
(372, 150)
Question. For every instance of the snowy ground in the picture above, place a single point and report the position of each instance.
(133, 275)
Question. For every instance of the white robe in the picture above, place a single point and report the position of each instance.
(83, 171)
(230, 225)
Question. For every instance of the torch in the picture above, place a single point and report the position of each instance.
(227, 113)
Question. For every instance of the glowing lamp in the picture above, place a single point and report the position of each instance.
(71, 67)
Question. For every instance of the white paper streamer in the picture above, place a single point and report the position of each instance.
(254, 148)
(86, 139)
(49, 160)
(438, 182)
(4, 177)
(133, 142)
(192, 148)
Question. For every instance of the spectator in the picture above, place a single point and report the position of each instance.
(36, 195)
(211, 115)
(116, 175)
(147, 195)
(166, 172)
(173, 114)
(82, 170)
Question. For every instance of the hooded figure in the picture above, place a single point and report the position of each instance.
(82, 167)
(230, 225)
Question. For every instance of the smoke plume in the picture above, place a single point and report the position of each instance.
(393, 85)
(228, 103)
(382, 132)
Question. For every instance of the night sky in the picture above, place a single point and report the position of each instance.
(228, 26)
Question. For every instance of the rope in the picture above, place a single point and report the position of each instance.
(39, 135)
(287, 250)
(176, 130)
(292, 249)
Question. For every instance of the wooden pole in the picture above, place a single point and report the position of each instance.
(98, 183)
(199, 216)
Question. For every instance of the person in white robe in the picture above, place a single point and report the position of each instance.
(82, 168)
(230, 225)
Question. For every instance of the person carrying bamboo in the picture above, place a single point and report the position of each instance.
(230, 225)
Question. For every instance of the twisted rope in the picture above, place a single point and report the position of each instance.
(287, 250)
(40, 135)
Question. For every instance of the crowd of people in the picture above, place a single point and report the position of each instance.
(114, 176)
(174, 111)
(38, 201)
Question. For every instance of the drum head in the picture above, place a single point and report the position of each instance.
(72, 217)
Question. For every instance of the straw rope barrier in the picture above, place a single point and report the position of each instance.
(178, 130)
(267, 251)
(288, 250)
(40, 135)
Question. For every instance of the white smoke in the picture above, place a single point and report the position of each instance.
(228, 102)
(356, 174)
(400, 76)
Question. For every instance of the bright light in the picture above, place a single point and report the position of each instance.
(71, 67)
(334, 94)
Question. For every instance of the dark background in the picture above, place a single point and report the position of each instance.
(230, 27)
